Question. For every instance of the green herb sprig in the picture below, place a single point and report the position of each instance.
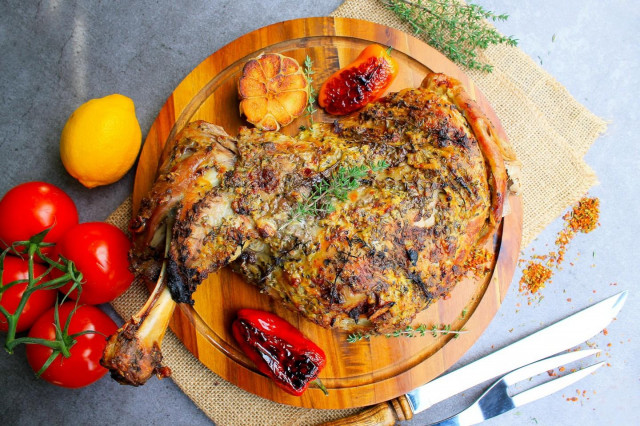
(454, 28)
(420, 330)
(308, 72)
(337, 187)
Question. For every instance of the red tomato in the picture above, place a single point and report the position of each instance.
(83, 366)
(39, 301)
(32, 207)
(100, 252)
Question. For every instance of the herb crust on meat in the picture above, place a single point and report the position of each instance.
(377, 256)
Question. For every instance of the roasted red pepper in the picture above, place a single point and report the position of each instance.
(362, 81)
(278, 349)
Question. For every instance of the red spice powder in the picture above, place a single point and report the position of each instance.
(534, 277)
(583, 217)
(479, 262)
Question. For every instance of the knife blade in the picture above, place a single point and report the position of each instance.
(559, 336)
(498, 398)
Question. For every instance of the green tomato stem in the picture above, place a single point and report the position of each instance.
(63, 342)
(53, 344)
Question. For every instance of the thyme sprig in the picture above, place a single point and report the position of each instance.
(420, 330)
(308, 72)
(337, 187)
(456, 29)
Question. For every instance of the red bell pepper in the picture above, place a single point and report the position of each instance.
(362, 81)
(279, 350)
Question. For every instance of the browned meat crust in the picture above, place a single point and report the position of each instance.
(190, 168)
(384, 253)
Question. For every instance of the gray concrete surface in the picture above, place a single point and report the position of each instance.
(57, 54)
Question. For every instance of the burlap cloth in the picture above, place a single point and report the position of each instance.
(550, 132)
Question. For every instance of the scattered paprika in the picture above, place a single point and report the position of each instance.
(583, 218)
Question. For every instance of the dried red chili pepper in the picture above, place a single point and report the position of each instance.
(278, 349)
(362, 81)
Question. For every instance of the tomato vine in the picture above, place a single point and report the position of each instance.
(33, 249)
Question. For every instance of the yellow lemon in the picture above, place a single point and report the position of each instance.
(101, 140)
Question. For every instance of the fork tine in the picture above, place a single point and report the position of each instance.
(552, 386)
(496, 400)
(546, 364)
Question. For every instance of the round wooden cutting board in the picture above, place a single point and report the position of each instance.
(368, 371)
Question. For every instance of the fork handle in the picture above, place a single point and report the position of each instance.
(383, 414)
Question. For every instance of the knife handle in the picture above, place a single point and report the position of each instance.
(383, 414)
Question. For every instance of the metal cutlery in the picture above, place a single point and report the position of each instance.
(496, 400)
(551, 340)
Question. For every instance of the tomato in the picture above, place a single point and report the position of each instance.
(32, 207)
(83, 366)
(100, 252)
(39, 301)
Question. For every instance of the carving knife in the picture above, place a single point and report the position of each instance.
(557, 337)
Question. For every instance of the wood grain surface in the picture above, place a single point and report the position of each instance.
(357, 374)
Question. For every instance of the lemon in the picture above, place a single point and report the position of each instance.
(101, 140)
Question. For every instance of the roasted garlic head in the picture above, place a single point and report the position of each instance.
(273, 91)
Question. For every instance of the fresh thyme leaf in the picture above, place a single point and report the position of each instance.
(337, 187)
(454, 28)
(356, 337)
(459, 332)
(380, 165)
(420, 330)
(308, 72)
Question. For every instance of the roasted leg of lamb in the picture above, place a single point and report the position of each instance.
(430, 188)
